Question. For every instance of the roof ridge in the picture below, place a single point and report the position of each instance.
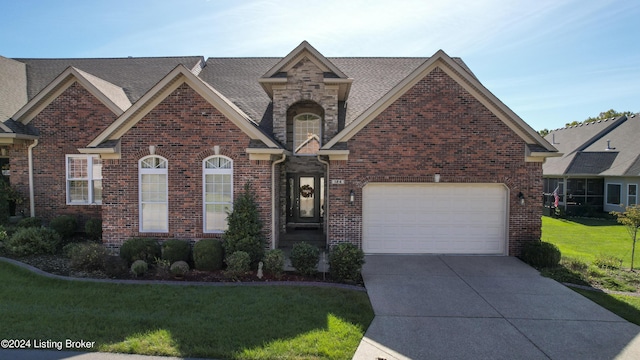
(109, 58)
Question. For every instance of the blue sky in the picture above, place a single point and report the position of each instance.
(551, 62)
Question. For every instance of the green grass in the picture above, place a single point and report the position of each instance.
(587, 239)
(238, 322)
(627, 307)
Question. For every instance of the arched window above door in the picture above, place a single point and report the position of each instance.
(307, 134)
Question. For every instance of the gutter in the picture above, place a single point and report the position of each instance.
(32, 201)
(326, 201)
(274, 206)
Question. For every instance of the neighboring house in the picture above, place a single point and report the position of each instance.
(600, 166)
(395, 155)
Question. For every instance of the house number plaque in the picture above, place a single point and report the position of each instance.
(337, 182)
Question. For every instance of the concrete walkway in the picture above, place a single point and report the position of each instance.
(482, 307)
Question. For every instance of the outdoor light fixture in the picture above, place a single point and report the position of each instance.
(436, 178)
(352, 197)
(521, 197)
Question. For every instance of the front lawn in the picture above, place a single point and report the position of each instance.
(587, 239)
(243, 322)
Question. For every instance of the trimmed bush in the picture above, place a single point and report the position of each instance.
(30, 222)
(179, 268)
(345, 262)
(304, 257)
(244, 232)
(32, 241)
(65, 226)
(540, 254)
(87, 256)
(3, 234)
(238, 263)
(139, 267)
(176, 250)
(93, 229)
(208, 255)
(140, 249)
(274, 262)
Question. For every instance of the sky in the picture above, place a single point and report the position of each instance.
(551, 62)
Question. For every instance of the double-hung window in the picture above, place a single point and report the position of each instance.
(84, 179)
(217, 172)
(153, 185)
(613, 194)
(632, 194)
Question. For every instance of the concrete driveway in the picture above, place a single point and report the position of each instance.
(483, 307)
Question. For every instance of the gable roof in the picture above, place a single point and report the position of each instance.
(465, 79)
(136, 75)
(608, 147)
(112, 96)
(156, 94)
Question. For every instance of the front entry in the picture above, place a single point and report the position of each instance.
(305, 201)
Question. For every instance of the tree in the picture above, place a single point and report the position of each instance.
(630, 218)
(543, 132)
(245, 227)
(611, 113)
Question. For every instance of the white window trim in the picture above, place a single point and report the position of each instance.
(90, 179)
(319, 136)
(606, 193)
(164, 171)
(636, 195)
(206, 172)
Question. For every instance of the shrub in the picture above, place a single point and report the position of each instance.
(93, 229)
(32, 241)
(574, 264)
(163, 267)
(304, 257)
(245, 228)
(115, 266)
(274, 262)
(30, 222)
(3, 234)
(87, 256)
(139, 267)
(540, 254)
(607, 262)
(65, 225)
(345, 262)
(208, 255)
(238, 263)
(179, 268)
(140, 249)
(176, 250)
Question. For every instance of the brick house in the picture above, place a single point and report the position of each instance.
(396, 155)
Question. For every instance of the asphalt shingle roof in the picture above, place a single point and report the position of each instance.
(13, 92)
(586, 151)
(136, 75)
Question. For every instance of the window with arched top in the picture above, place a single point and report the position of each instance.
(307, 134)
(153, 194)
(217, 173)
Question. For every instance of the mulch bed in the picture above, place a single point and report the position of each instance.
(60, 265)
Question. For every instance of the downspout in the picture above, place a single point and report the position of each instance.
(32, 201)
(326, 201)
(274, 202)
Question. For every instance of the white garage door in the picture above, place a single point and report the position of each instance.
(434, 218)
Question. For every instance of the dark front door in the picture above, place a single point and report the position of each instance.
(305, 203)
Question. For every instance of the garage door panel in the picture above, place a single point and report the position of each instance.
(435, 218)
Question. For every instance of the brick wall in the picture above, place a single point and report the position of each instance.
(185, 137)
(70, 122)
(436, 127)
(305, 81)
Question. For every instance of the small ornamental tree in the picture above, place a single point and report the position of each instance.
(631, 220)
(244, 232)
